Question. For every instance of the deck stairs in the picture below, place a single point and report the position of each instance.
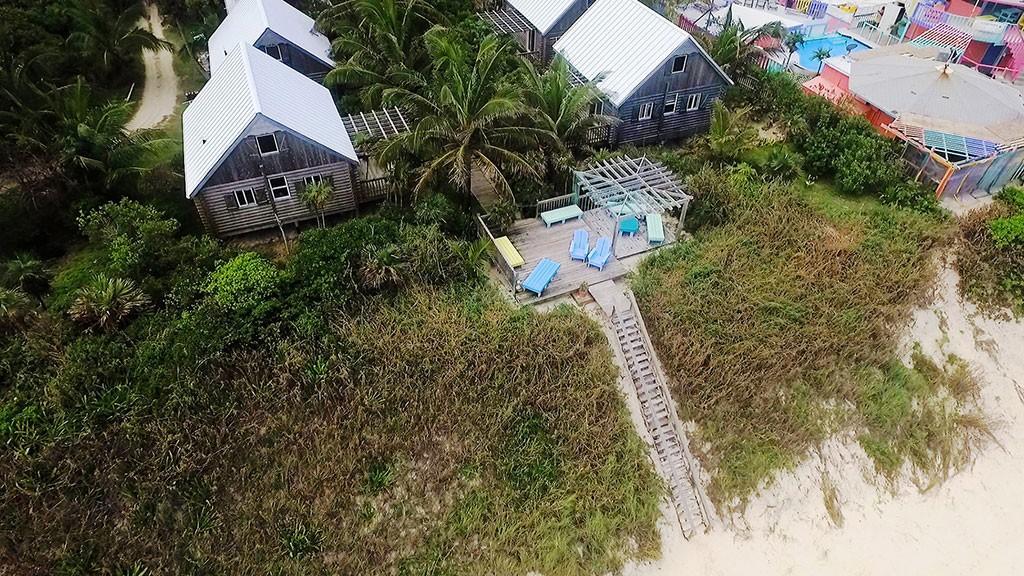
(677, 464)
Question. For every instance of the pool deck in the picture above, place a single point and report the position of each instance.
(535, 241)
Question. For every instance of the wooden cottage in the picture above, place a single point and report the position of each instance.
(654, 76)
(537, 24)
(254, 137)
(277, 28)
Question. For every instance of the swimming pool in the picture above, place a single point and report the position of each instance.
(836, 44)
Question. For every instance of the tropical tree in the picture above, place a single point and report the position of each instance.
(821, 54)
(470, 117)
(564, 110)
(379, 45)
(316, 196)
(25, 273)
(110, 39)
(15, 306)
(793, 41)
(730, 135)
(735, 49)
(106, 303)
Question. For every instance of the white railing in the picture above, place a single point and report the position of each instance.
(980, 29)
(872, 33)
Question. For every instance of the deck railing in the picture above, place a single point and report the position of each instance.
(584, 202)
(506, 269)
(982, 30)
(872, 33)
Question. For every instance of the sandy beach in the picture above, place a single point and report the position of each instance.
(971, 524)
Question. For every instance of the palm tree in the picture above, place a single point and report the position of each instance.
(105, 303)
(379, 45)
(27, 274)
(734, 48)
(730, 135)
(821, 54)
(111, 39)
(559, 107)
(470, 117)
(793, 41)
(316, 196)
(14, 308)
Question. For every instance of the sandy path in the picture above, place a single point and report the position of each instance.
(160, 92)
(971, 524)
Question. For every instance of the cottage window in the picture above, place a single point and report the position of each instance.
(670, 104)
(274, 51)
(279, 187)
(267, 144)
(597, 108)
(692, 102)
(679, 64)
(531, 41)
(245, 197)
(314, 179)
(646, 111)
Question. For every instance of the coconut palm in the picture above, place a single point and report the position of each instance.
(379, 45)
(470, 117)
(793, 41)
(734, 48)
(316, 196)
(105, 303)
(730, 135)
(821, 54)
(563, 109)
(111, 39)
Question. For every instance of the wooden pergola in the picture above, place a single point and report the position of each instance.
(507, 21)
(376, 124)
(628, 186)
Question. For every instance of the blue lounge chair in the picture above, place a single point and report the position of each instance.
(580, 245)
(630, 226)
(598, 257)
(541, 276)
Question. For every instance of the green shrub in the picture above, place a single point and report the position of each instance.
(1012, 195)
(247, 282)
(134, 236)
(781, 163)
(1008, 231)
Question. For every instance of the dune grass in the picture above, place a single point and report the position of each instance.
(426, 433)
(778, 325)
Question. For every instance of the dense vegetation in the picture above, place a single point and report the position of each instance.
(990, 257)
(778, 325)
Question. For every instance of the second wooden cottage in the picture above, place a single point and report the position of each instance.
(254, 137)
(653, 75)
(537, 24)
(277, 28)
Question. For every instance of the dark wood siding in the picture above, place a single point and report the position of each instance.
(699, 77)
(224, 218)
(294, 153)
(570, 17)
(295, 57)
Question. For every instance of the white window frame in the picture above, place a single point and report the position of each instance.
(693, 102)
(597, 107)
(245, 198)
(314, 179)
(646, 111)
(275, 189)
(681, 70)
(276, 48)
(531, 41)
(277, 147)
(674, 101)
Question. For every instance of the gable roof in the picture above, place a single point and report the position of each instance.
(249, 19)
(543, 14)
(622, 42)
(251, 85)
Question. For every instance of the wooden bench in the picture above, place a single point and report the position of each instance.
(655, 229)
(559, 215)
(509, 252)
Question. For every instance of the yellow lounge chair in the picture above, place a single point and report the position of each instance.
(509, 252)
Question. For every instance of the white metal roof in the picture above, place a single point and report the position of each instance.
(622, 42)
(249, 19)
(543, 14)
(251, 86)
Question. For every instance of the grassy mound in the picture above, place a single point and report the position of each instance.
(778, 323)
(990, 254)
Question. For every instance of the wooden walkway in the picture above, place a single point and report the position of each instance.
(534, 241)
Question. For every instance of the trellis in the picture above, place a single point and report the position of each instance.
(507, 21)
(383, 123)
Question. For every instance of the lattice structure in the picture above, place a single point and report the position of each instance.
(507, 21)
(954, 148)
(636, 185)
(376, 124)
(945, 36)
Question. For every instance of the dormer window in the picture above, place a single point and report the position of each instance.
(274, 51)
(267, 144)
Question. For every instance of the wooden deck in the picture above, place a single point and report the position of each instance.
(534, 241)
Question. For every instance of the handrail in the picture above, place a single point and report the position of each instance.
(503, 266)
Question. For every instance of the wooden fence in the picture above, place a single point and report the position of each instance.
(506, 269)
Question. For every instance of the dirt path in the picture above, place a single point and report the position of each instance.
(160, 92)
(971, 524)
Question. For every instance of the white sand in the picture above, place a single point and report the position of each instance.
(972, 524)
